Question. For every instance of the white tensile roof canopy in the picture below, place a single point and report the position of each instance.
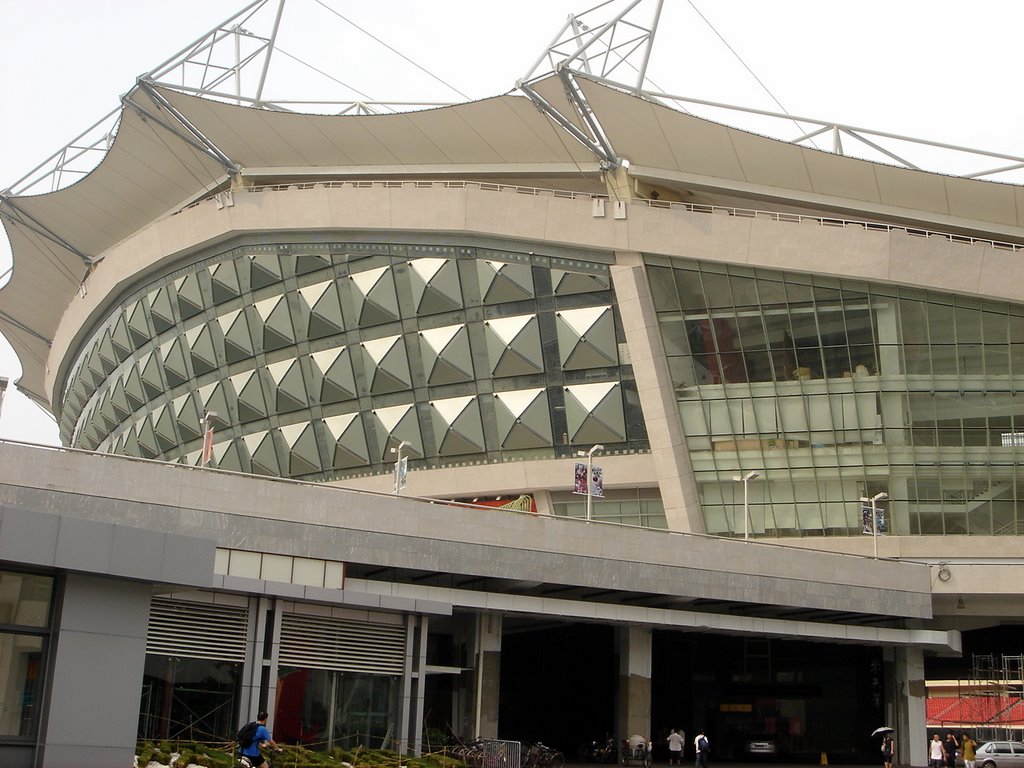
(562, 130)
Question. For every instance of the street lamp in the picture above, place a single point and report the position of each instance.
(590, 477)
(745, 479)
(398, 466)
(873, 501)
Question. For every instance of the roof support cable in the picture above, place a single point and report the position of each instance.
(191, 135)
(28, 222)
(15, 323)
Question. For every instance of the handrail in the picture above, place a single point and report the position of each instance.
(749, 213)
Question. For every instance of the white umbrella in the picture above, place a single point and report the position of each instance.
(883, 729)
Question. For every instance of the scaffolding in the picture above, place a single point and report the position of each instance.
(995, 696)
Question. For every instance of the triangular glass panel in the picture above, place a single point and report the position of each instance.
(190, 296)
(304, 454)
(138, 325)
(175, 367)
(160, 309)
(252, 403)
(188, 416)
(119, 337)
(349, 436)
(311, 262)
(523, 419)
(263, 453)
(264, 270)
(338, 381)
(224, 282)
(107, 353)
(503, 282)
(166, 437)
(435, 285)
(566, 283)
(593, 413)
(134, 390)
(152, 380)
(204, 355)
(238, 344)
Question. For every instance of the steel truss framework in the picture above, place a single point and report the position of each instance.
(610, 48)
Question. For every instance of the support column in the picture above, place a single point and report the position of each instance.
(100, 657)
(656, 391)
(634, 699)
(410, 726)
(488, 675)
(907, 705)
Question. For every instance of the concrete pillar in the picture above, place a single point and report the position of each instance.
(656, 391)
(488, 676)
(906, 703)
(415, 681)
(634, 700)
(98, 663)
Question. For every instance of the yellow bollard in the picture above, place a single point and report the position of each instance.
(824, 758)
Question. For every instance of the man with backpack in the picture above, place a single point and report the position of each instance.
(703, 749)
(250, 737)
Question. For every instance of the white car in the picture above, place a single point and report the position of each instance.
(1000, 754)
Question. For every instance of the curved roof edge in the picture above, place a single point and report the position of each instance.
(172, 149)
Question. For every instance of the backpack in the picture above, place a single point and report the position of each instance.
(247, 734)
(703, 745)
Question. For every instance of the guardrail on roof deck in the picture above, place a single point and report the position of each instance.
(749, 213)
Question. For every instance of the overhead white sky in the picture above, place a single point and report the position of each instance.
(934, 69)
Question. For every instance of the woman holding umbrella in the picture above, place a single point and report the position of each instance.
(888, 747)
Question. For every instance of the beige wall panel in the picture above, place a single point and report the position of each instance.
(807, 246)
(935, 262)
(1002, 271)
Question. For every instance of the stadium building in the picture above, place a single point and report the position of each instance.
(763, 351)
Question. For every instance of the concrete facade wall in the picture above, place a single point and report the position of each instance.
(98, 661)
(315, 521)
(369, 211)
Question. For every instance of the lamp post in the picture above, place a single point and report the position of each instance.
(745, 479)
(873, 501)
(398, 465)
(590, 477)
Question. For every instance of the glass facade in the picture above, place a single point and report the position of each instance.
(631, 506)
(25, 603)
(326, 708)
(192, 699)
(320, 357)
(835, 391)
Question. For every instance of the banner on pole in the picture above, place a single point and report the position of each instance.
(579, 484)
(401, 473)
(597, 483)
(880, 524)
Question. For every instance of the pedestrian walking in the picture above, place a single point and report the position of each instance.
(936, 752)
(675, 748)
(888, 747)
(967, 747)
(702, 747)
(951, 747)
(249, 752)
